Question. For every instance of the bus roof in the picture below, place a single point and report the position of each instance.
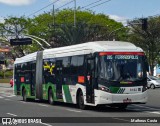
(91, 47)
(27, 58)
(84, 48)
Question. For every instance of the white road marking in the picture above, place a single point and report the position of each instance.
(1, 97)
(43, 105)
(73, 110)
(11, 114)
(28, 103)
(155, 112)
(121, 119)
(7, 99)
(23, 102)
(10, 96)
(46, 124)
(148, 108)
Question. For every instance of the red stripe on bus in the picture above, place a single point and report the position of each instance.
(121, 53)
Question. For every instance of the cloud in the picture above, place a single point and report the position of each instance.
(17, 2)
(123, 20)
(2, 20)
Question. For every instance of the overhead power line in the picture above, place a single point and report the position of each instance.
(69, 3)
(91, 4)
(42, 8)
(64, 5)
(99, 4)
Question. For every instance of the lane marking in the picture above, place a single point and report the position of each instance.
(7, 99)
(46, 124)
(10, 96)
(155, 112)
(121, 119)
(23, 102)
(43, 105)
(30, 103)
(73, 110)
(11, 114)
(1, 97)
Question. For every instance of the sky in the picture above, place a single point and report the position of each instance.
(120, 10)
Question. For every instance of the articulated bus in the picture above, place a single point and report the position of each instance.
(89, 74)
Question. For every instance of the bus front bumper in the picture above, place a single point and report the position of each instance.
(102, 97)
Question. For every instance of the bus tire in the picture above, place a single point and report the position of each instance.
(81, 101)
(50, 97)
(24, 95)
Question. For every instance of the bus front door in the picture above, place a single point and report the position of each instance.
(89, 80)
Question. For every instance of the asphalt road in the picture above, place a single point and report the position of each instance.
(13, 106)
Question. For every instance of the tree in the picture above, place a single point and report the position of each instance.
(14, 27)
(62, 32)
(148, 40)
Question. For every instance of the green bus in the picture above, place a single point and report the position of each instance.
(89, 74)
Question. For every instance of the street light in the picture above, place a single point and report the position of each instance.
(36, 41)
(32, 36)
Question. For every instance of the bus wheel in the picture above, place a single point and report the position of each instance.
(24, 95)
(81, 101)
(50, 97)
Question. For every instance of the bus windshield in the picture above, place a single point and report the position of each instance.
(122, 67)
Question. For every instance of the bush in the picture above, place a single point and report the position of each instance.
(8, 74)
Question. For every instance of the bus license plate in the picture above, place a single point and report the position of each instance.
(127, 100)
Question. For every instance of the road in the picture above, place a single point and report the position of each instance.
(13, 106)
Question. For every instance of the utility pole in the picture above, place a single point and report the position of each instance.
(74, 13)
(53, 14)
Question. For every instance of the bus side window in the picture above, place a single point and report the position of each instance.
(80, 64)
(66, 70)
(74, 69)
(27, 69)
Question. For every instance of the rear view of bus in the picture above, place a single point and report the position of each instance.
(121, 78)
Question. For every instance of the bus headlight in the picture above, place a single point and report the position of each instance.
(103, 88)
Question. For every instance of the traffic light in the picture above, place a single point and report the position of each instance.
(144, 24)
(21, 41)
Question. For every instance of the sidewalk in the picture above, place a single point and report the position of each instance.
(6, 89)
(5, 85)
